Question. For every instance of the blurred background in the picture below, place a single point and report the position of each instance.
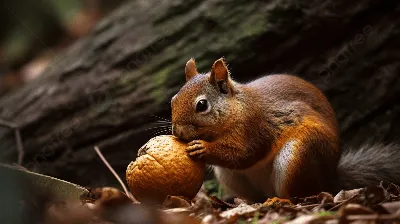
(80, 73)
(34, 31)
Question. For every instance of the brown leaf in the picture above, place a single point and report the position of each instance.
(315, 199)
(392, 189)
(288, 211)
(346, 195)
(176, 202)
(272, 217)
(239, 201)
(177, 215)
(203, 206)
(391, 207)
(107, 197)
(373, 195)
(113, 205)
(277, 202)
(325, 197)
(68, 212)
(208, 219)
(354, 209)
(218, 203)
(240, 210)
(311, 219)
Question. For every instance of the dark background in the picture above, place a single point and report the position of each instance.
(102, 84)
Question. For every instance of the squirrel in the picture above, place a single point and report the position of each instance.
(276, 136)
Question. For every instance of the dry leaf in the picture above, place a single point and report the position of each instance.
(346, 195)
(391, 207)
(242, 209)
(176, 202)
(277, 202)
(373, 195)
(218, 203)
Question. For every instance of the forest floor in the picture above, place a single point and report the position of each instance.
(374, 204)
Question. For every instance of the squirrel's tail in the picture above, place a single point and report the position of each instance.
(369, 165)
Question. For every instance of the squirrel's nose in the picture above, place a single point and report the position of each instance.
(175, 131)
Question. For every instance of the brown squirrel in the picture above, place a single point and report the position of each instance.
(274, 136)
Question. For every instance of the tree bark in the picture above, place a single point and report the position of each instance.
(103, 89)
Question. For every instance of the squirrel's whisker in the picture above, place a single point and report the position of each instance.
(156, 127)
(162, 131)
(161, 118)
(163, 122)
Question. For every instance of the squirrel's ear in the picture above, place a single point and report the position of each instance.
(220, 76)
(190, 69)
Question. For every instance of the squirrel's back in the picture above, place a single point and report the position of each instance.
(282, 92)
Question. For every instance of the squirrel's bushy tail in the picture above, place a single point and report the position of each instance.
(369, 165)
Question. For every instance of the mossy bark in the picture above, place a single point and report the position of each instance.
(102, 89)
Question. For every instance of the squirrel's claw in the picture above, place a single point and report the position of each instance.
(196, 149)
(196, 142)
(198, 154)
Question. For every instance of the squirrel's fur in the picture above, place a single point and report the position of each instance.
(274, 136)
(369, 165)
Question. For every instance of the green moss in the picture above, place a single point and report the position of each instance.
(276, 221)
(160, 79)
(214, 188)
(255, 218)
(326, 213)
(282, 220)
(257, 24)
(127, 83)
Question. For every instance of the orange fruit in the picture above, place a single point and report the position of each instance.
(162, 168)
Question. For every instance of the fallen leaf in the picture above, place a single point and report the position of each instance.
(346, 195)
(391, 207)
(311, 219)
(354, 209)
(60, 189)
(277, 202)
(325, 197)
(107, 197)
(176, 202)
(240, 210)
(239, 201)
(373, 195)
(218, 203)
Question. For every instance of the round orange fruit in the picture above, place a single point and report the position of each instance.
(162, 168)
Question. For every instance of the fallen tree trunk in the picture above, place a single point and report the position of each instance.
(102, 90)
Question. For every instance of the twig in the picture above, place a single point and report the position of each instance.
(18, 139)
(20, 148)
(128, 193)
(7, 124)
(317, 208)
(307, 206)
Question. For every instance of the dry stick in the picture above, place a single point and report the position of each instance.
(20, 148)
(7, 124)
(320, 204)
(308, 206)
(18, 139)
(128, 193)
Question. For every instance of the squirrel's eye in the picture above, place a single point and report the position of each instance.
(202, 106)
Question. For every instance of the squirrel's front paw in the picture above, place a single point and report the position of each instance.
(196, 148)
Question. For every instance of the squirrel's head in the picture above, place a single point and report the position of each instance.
(201, 108)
